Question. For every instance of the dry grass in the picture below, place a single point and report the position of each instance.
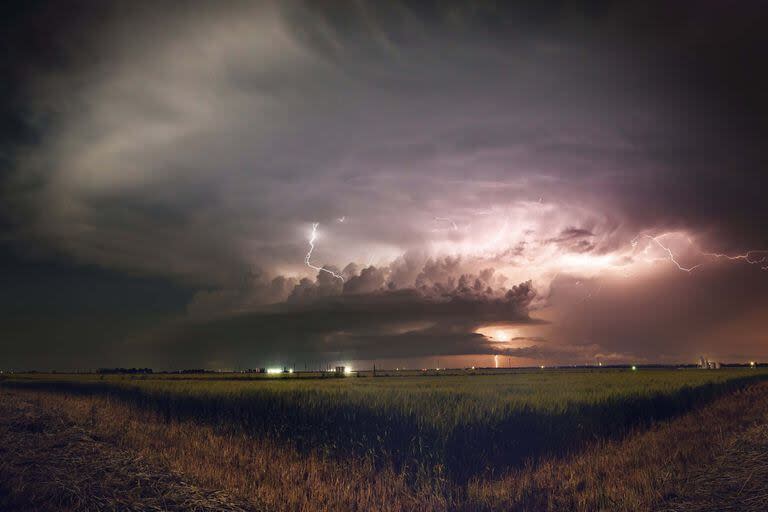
(643, 472)
(736, 480)
(463, 425)
(259, 470)
(688, 463)
(49, 463)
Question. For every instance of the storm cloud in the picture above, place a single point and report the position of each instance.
(467, 164)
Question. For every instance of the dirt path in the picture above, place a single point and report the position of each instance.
(48, 463)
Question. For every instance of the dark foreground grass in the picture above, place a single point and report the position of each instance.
(49, 463)
(458, 427)
(661, 468)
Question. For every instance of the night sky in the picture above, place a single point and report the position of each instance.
(245, 184)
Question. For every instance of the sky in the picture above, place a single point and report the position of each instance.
(248, 184)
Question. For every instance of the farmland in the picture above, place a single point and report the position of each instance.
(438, 440)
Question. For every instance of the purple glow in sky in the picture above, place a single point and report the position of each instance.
(395, 181)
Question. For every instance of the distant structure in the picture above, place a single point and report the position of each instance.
(706, 364)
(109, 371)
(340, 370)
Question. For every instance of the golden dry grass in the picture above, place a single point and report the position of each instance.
(49, 463)
(643, 472)
(260, 470)
(663, 467)
(462, 425)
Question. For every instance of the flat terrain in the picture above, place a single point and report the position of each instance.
(550, 440)
(736, 479)
(51, 463)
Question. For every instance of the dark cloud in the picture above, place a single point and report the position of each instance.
(255, 290)
(193, 144)
(357, 96)
(574, 239)
(370, 280)
(365, 317)
(402, 323)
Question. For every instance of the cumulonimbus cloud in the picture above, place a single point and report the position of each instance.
(211, 143)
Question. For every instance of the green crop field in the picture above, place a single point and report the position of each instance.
(466, 423)
(437, 399)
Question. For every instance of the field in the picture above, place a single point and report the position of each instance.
(452, 442)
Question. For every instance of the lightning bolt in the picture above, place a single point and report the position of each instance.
(655, 240)
(747, 256)
(312, 239)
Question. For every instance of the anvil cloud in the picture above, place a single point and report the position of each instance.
(467, 164)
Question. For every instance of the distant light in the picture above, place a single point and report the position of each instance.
(290, 370)
(502, 335)
(348, 370)
(752, 364)
(473, 367)
(274, 370)
(634, 368)
(542, 367)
